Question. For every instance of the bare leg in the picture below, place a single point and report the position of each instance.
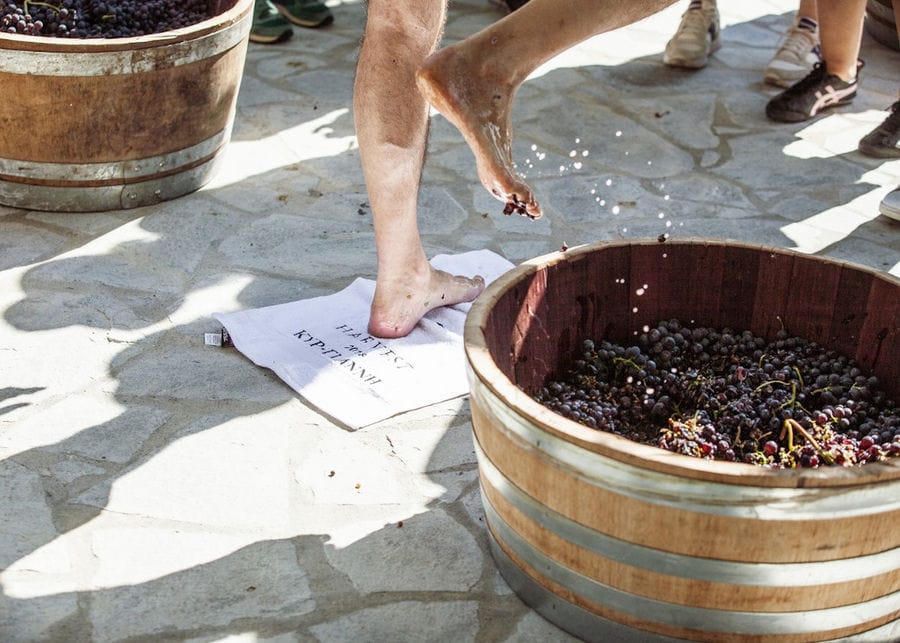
(807, 9)
(473, 82)
(840, 31)
(392, 123)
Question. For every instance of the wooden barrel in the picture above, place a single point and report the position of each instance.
(101, 124)
(881, 22)
(613, 540)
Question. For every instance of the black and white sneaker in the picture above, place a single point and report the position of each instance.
(806, 98)
(883, 142)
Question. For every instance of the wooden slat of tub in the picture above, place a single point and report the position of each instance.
(565, 286)
(131, 116)
(879, 342)
(705, 293)
(683, 282)
(810, 305)
(606, 287)
(692, 634)
(770, 302)
(500, 329)
(569, 307)
(851, 302)
(672, 528)
(508, 322)
(529, 346)
(692, 592)
(740, 283)
(653, 281)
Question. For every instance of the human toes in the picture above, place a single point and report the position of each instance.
(528, 208)
(464, 289)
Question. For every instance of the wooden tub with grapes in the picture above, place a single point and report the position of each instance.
(94, 117)
(693, 471)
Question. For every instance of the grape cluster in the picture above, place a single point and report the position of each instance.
(100, 18)
(727, 395)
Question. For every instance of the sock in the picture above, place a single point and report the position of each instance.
(807, 23)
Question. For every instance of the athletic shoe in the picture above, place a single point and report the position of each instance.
(697, 37)
(268, 25)
(884, 141)
(798, 53)
(803, 100)
(306, 13)
(890, 205)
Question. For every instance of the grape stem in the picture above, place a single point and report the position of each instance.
(792, 402)
(626, 362)
(770, 383)
(787, 429)
(791, 425)
(36, 3)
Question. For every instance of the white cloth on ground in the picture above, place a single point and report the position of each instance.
(321, 348)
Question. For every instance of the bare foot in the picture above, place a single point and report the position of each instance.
(397, 307)
(479, 105)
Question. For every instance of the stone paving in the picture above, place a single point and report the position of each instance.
(154, 488)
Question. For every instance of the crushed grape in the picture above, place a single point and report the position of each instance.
(100, 18)
(732, 396)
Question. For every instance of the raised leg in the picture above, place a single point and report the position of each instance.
(473, 82)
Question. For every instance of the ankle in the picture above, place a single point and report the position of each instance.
(848, 76)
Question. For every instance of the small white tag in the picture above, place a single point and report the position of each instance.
(222, 338)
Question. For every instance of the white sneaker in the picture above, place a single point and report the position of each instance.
(890, 205)
(798, 53)
(697, 37)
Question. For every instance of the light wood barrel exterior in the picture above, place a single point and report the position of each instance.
(614, 540)
(100, 124)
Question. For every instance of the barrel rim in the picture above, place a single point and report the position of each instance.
(487, 373)
(164, 38)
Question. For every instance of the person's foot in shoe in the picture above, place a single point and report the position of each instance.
(305, 13)
(807, 98)
(696, 38)
(890, 205)
(269, 26)
(884, 141)
(798, 52)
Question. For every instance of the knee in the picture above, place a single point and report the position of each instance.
(414, 27)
